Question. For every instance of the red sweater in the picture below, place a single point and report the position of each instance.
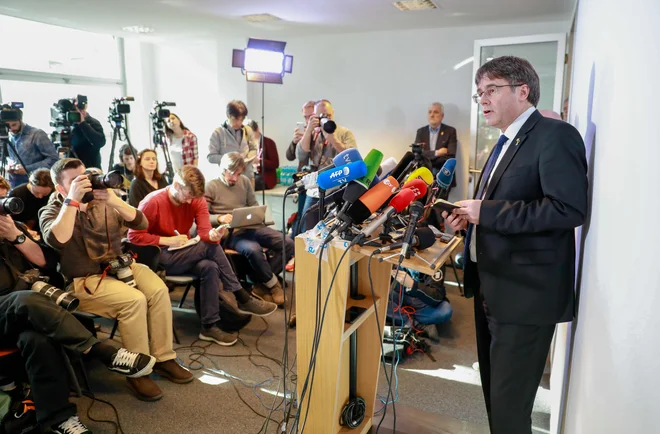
(164, 217)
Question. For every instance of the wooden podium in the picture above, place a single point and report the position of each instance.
(330, 390)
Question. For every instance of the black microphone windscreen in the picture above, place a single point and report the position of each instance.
(358, 212)
(407, 158)
(426, 238)
(353, 192)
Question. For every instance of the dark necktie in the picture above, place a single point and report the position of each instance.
(490, 165)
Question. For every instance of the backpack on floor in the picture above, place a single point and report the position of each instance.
(22, 415)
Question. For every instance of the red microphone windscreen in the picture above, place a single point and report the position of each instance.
(402, 200)
(418, 186)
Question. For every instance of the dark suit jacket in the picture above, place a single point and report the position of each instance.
(446, 139)
(537, 196)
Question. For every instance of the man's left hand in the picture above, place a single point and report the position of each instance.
(440, 152)
(8, 229)
(106, 195)
(469, 210)
(83, 113)
(18, 170)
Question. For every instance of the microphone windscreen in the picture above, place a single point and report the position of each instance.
(376, 196)
(341, 175)
(387, 166)
(353, 192)
(372, 160)
(421, 173)
(417, 186)
(446, 174)
(347, 156)
(398, 170)
(426, 238)
(358, 212)
(402, 199)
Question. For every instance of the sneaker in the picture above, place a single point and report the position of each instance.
(144, 388)
(214, 334)
(132, 364)
(257, 307)
(174, 372)
(291, 265)
(277, 294)
(260, 291)
(72, 425)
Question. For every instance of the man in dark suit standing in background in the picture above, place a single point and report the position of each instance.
(439, 139)
(520, 243)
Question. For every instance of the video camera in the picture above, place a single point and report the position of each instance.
(102, 182)
(159, 114)
(9, 113)
(119, 108)
(63, 115)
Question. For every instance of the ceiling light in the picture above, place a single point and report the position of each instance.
(261, 18)
(138, 29)
(415, 5)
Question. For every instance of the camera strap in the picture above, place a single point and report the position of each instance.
(107, 268)
(324, 145)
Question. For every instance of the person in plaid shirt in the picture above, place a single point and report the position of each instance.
(181, 142)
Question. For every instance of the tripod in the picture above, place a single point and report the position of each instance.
(4, 144)
(159, 139)
(118, 128)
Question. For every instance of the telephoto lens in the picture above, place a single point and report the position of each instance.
(64, 299)
(125, 274)
(110, 180)
(11, 205)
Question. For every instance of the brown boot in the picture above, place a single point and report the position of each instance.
(260, 291)
(278, 294)
(174, 372)
(144, 388)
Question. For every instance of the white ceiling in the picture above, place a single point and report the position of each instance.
(208, 18)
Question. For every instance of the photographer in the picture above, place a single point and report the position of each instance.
(319, 147)
(33, 146)
(233, 136)
(34, 195)
(40, 329)
(87, 233)
(87, 138)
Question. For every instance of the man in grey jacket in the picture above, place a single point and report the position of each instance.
(233, 136)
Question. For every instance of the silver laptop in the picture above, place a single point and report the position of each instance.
(249, 216)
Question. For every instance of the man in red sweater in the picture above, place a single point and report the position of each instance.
(171, 213)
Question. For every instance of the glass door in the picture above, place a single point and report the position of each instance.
(546, 54)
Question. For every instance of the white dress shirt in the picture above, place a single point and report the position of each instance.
(511, 132)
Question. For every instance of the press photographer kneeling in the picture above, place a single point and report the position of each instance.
(83, 221)
(33, 321)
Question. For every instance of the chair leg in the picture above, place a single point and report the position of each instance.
(176, 338)
(185, 294)
(114, 329)
(458, 280)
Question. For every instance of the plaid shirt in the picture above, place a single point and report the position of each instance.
(189, 153)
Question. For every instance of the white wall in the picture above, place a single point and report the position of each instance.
(615, 373)
(381, 84)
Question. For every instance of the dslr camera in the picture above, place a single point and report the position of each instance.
(11, 206)
(120, 267)
(328, 125)
(102, 182)
(33, 280)
(9, 113)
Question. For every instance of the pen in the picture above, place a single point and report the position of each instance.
(176, 232)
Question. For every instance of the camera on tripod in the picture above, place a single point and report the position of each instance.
(63, 115)
(417, 149)
(9, 113)
(102, 182)
(159, 114)
(118, 108)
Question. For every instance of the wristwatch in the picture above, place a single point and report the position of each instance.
(70, 202)
(19, 240)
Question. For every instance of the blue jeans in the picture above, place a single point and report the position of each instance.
(251, 242)
(210, 264)
(302, 199)
(312, 218)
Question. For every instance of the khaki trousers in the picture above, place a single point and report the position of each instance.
(144, 313)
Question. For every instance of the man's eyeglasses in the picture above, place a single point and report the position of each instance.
(491, 91)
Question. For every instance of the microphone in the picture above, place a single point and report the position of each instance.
(446, 175)
(387, 166)
(309, 181)
(360, 186)
(341, 175)
(417, 186)
(422, 173)
(416, 210)
(422, 239)
(402, 167)
(398, 203)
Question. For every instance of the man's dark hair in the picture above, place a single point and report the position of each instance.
(236, 109)
(62, 165)
(254, 126)
(515, 70)
(41, 178)
(126, 150)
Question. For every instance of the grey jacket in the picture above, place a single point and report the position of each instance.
(223, 141)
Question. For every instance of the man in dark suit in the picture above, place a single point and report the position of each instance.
(520, 243)
(439, 139)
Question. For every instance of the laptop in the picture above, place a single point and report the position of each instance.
(250, 216)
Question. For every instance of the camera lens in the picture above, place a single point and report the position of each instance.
(11, 205)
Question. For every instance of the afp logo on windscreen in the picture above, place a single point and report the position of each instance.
(340, 172)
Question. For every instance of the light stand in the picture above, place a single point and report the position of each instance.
(263, 149)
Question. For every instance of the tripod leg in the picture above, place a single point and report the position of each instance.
(115, 131)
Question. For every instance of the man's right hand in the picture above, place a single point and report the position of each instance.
(225, 219)
(79, 187)
(175, 241)
(313, 123)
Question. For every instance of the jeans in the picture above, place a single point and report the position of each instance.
(250, 243)
(210, 264)
(40, 328)
(312, 218)
(297, 223)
